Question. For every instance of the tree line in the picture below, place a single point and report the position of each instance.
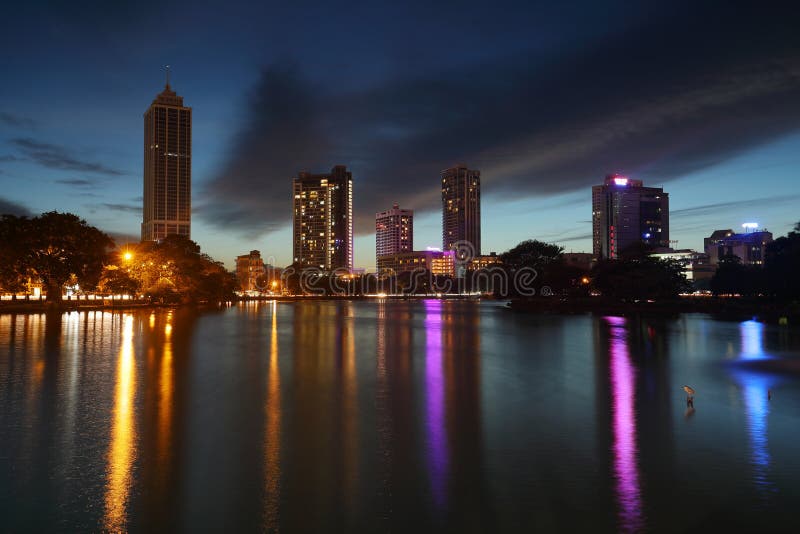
(60, 251)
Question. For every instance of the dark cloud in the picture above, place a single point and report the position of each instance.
(58, 157)
(8, 158)
(9, 207)
(16, 121)
(657, 101)
(77, 182)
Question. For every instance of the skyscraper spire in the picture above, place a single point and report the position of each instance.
(166, 67)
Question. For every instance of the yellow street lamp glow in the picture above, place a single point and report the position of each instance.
(274, 284)
(127, 256)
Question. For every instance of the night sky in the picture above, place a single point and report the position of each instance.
(544, 98)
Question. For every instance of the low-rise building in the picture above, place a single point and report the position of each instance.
(435, 261)
(250, 271)
(750, 246)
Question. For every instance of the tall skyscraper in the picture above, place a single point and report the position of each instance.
(461, 209)
(167, 167)
(323, 219)
(394, 231)
(625, 213)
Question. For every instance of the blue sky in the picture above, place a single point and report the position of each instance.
(545, 100)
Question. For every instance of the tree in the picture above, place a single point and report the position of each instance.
(642, 278)
(12, 269)
(782, 265)
(733, 278)
(55, 247)
(532, 253)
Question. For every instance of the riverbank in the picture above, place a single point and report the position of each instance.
(763, 310)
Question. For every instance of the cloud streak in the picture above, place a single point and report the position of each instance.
(58, 157)
(16, 121)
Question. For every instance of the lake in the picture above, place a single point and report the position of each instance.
(395, 416)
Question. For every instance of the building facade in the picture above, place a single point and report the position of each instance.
(394, 231)
(461, 211)
(626, 214)
(435, 261)
(250, 271)
(167, 207)
(323, 219)
(750, 247)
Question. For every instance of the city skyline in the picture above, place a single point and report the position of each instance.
(71, 128)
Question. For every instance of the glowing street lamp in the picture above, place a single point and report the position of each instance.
(127, 256)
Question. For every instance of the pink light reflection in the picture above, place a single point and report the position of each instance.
(434, 389)
(626, 471)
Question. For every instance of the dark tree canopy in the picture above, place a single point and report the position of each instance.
(55, 247)
(642, 278)
(532, 253)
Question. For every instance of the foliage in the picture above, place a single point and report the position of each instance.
(643, 278)
(532, 253)
(782, 265)
(54, 247)
(174, 270)
(733, 278)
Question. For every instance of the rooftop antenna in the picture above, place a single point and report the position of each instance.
(166, 67)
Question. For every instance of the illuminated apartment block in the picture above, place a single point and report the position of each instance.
(323, 219)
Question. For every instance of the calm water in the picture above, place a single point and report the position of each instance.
(395, 416)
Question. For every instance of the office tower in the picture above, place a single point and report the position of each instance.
(461, 211)
(626, 214)
(249, 269)
(749, 246)
(167, 205)
(323, 219)
(394, 231)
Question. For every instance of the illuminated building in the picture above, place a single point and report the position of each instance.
(249, 268)
(625, 213)
(461, 211)
(394, 231)
(323, 219)
(485, 261)
(749, 246)
(435, 261)
(167, 203)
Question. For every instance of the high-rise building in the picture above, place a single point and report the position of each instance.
(461, 211)
(625, 213)
(323, 219)
(167, 205)
(394, 231)
(750, 246)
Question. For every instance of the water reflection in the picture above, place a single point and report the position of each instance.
(434, 391)
(272, 435)
(123, 434)
(165, 401)
(755, 392)
(626, 470)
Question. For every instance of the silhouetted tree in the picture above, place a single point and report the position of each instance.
(54, 247)
(642, 278)
(782, 265)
